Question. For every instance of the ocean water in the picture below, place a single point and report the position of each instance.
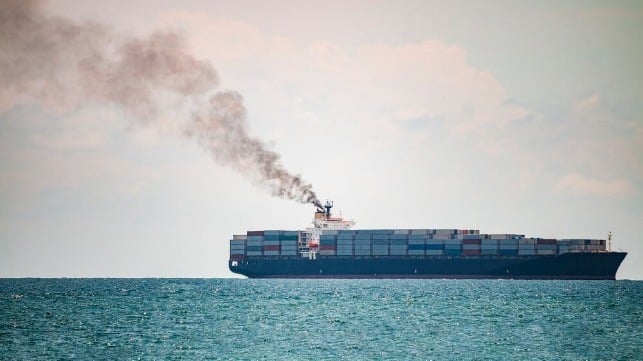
(243, 319)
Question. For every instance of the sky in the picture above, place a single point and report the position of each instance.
(502, 116)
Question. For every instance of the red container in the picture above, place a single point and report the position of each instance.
(327, 247)
(255, 233)
(236, 257)
(467, 252)
(470, 241)
(271, 247)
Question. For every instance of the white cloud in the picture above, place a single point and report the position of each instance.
(576, 183)
(585, 105)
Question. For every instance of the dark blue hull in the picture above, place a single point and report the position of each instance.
(595, 266)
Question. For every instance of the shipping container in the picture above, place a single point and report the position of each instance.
(399, 237)
(488, 251)
(271, 237)
(489, 242)
(374, 231)
(363, 236)
(470, 246)
(430, 246)
(255, 233)
(415, 252)
(347, 232)
(546, 251)
(399, 242)
(546, 241)
(527, 252)
(434, 252)
(238, 237)
(508, 252)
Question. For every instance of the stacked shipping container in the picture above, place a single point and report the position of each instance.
(406, 242)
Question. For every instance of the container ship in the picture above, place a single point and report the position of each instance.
(330, 248)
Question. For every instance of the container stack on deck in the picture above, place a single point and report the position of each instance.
(405, 242)
(264, 243)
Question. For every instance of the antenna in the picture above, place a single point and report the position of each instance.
(609, 241)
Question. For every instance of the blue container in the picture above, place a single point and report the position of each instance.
(399, 236)
(401, 242)
(271, 237)
(381, 236)
(434, 246)
(416, 247)
(347, 237)
(452, 252)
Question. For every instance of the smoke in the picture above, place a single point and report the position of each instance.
(61, 65)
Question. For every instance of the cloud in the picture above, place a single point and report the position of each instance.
(579, 184)
(393, 81)
(586, 105)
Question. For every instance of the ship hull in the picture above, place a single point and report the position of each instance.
(581, 266)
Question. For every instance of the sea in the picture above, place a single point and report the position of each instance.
(251, 319)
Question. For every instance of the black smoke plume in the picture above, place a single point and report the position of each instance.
(62, 64)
